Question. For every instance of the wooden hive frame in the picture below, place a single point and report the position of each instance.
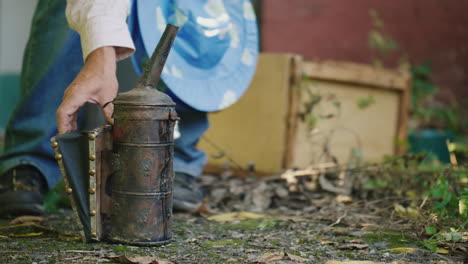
(288, 71)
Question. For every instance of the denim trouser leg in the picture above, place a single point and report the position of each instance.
(192, 125)
(52, 60)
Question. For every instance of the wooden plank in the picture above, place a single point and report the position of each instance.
(293, 108)
(356, 73)
(403, 118)
(238, 172)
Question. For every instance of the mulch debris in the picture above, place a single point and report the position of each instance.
(249, 221)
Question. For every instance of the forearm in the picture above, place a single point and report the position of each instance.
(103, 60)
(96, 83)
(104, 39)
(101, 23)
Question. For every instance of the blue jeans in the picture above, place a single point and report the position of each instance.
(52, 59)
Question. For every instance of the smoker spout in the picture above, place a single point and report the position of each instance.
(152, 72)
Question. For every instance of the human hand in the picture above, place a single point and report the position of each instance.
(96, 83)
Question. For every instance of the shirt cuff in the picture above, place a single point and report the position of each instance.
(106, 31)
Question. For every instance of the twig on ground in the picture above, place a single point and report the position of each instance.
(423, 202)
(82, 251)
(339, 219)
(328, 186)
(40, 227)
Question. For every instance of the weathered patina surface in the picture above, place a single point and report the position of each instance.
(144, 120)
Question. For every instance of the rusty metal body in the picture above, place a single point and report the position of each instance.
(144, 120)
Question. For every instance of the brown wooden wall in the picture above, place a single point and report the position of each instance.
(427, 30)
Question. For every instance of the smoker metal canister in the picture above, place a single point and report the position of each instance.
(144, 120)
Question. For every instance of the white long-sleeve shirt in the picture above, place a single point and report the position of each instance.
(101, 23)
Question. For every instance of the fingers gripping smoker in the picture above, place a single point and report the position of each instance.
(122, 190)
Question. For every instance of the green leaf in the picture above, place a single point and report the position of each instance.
(375, 184)
(447, 236)
(463, 203)
(431, 245)
(312, 120)
(364, 103)
(267, 224)
(336, 103)
(430, 230)
(456, 236)
(423, 70)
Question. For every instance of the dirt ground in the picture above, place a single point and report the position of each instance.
(286, 238)
(251, 222)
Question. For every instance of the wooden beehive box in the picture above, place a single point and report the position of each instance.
(362, 110)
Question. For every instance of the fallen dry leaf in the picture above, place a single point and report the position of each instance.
(353, 262)
(333, 243)
(40, 227)
(353, 246)
(139, 260)
(27, 235)
(344, 198)
(28, 219)
(404, 250)
(407, 212)
(203, 210)
(464, 238)
(356, 241)
(270, 257)
(340, 231)
(442, 251)
(229, 217)
(295, 257)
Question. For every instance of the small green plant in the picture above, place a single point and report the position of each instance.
(449, 201)
(426, 111)
(313, 107)
(437, 194)
(380, 42)
(445, 200)
(445, 188)
(422, 88)
(56, 198)
(439, 237)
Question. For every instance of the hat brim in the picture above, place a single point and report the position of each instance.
(205, 89)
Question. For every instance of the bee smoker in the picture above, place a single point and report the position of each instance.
(143, 147)
(119, 178)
